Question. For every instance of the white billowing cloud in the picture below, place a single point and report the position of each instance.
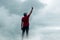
(43, 33)
(21, 1)
(53, 7)
(49, 15)
(9, 24)
(45, 1)
(11, 30)
(7, 18)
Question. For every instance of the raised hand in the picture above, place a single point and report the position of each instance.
(32, 8)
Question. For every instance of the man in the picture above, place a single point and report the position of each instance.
(25, 23)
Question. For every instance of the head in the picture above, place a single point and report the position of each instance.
(25, 14)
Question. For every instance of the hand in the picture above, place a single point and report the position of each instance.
(32, 7)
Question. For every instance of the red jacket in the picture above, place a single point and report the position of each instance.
(25, 21)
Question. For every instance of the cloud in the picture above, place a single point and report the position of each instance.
(18, 8)
(49, 15)
(9, 23)
(10, 16)
(42, 20)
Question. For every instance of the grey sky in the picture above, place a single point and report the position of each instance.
(44, 22)
(19, 8)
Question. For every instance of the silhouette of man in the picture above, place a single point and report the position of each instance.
(25, 23)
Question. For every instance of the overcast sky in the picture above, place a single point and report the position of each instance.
(44, 21)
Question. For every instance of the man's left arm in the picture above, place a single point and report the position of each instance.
(30, 12)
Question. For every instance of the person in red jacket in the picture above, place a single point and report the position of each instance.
(25, 23)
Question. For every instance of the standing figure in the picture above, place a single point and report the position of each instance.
(25, 23)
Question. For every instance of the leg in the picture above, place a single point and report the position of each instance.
(23, 31)
(27, 31)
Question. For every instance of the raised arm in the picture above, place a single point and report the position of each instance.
(30, 12)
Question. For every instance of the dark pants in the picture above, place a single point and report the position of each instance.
(25, 29)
